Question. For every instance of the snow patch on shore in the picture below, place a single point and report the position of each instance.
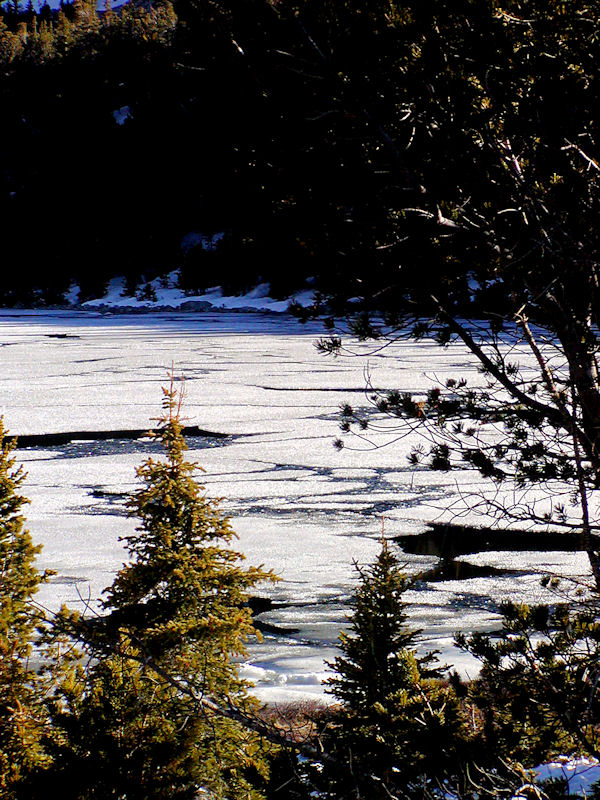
(579, 773)
(163, 294)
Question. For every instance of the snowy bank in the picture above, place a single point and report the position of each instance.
(164, 294)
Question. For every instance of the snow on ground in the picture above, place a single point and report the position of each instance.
(122, 114)
(164, 293)
(579, 773)
(299, 506)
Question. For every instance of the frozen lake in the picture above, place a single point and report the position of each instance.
(299, 506)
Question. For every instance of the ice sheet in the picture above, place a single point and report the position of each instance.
(299, 506)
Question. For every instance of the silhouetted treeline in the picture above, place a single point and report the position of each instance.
(333, 139)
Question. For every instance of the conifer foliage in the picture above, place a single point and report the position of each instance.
(537, 691)
(372, 666)
(20, 711)
(398, 720)
(177, 619)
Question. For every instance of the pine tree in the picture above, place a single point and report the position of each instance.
(21, 718)
(537, 691)
(177, 619)
(371, 666)
(397, 719)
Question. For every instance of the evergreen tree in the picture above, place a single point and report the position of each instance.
(134, 724)
(371, 666)
(501, 123)
(537, 691)
(398, 720)
(21, 718)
